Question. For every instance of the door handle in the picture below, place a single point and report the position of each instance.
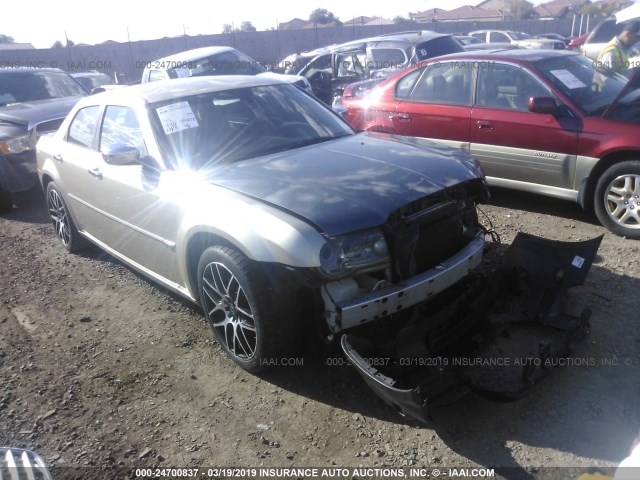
(96, 173)
(58, 158)
(400, 116)
(485, 125)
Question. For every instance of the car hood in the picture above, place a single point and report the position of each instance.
(30, 114)
(351, 183)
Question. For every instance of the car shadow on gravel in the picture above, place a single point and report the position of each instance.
(530, 202)
(586, 408)
(29, 207)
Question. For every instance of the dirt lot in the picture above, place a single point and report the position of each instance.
(100, 368)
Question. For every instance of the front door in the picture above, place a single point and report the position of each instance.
(514, 143)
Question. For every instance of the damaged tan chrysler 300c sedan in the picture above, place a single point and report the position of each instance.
(249, 197)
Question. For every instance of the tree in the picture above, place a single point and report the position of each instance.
(6, 39)
(247, 27)
(227, 28)
(323, 17)
(401, 19)
(522, 10)
(59, 44)
(601, 8)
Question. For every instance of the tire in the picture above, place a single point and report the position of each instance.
(6, 204)
(617, 199)
(240, 310)
(63, 225)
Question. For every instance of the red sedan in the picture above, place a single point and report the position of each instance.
(543, 121)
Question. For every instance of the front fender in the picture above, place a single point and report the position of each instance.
(261, 232)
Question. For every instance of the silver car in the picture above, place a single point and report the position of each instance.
(249, 197)
(520, 39)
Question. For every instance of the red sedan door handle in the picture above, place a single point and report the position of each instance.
(405, 117)
(484, 125)
(96, 173)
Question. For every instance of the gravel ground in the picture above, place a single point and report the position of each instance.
(102, 369)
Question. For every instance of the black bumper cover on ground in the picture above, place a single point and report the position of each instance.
(499, 333)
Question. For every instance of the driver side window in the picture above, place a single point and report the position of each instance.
(121, 127)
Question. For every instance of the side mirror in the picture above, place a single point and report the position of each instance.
(121, 154)
(542, 105)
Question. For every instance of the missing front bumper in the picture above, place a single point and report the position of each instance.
(501, 332)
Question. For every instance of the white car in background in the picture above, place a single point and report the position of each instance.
(212, 61)
(517, 38)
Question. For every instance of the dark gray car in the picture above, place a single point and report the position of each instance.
(32, 102)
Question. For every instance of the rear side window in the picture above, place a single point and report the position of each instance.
(405, 85)
(155, 75)
(445, 83)
(83, 126)
(387, 58)
(498, 37)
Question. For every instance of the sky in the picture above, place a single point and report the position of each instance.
(118, 20)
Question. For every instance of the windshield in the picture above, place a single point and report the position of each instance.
(591, 90)
(232, 125)
(24, 86)
(93, 81)
(230, 62)
(519, 35)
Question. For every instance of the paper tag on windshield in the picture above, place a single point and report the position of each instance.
(568, 78)
(578, 261)
(176, 117)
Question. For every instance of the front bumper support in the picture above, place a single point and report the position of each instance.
(372, 306)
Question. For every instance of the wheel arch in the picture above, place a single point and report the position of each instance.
(46, 180)
(587, 192)
(195, 247)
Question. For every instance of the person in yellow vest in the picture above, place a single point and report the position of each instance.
(614, 54)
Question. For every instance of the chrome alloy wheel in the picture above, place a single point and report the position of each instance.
(229, 310)
(622, 201)
(59, 216)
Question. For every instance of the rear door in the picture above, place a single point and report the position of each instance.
(76, 162)
(513, 143)
(439, 104)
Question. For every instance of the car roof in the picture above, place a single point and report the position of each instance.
(195, 54)
(180, 87)
(525, 55)
(87, 74)
(413, 36)
(494, 30)
(15, 71)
